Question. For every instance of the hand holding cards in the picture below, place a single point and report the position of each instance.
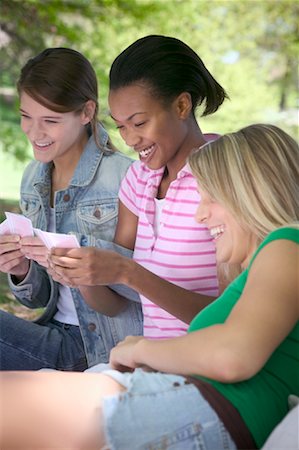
(21, 225)
(57, 239)
(16, 224)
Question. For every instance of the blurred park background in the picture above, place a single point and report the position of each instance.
(251, 46)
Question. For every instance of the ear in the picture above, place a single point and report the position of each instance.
(88, 112)
(183, 105)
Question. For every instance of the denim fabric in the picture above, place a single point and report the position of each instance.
(89, 209)
(31, 346)
(161, 411)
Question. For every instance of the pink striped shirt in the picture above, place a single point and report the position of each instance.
(182, 253)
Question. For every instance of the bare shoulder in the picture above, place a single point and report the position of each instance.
(279, 257)
(273, 278)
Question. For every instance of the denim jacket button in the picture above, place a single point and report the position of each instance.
(97, 213)
(92, 326)
(66, 198)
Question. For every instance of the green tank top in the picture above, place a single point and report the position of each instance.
(261, 400)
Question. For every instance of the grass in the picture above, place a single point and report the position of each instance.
(11, 172)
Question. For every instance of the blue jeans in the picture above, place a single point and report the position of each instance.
(25, 345)
(161, 412)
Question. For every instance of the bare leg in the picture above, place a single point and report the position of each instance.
(47, 410)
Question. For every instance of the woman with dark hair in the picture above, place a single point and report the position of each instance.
(156, 84)
(224, 385)
(71, 187)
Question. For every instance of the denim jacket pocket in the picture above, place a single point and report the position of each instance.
(98, 219)
(30, 207)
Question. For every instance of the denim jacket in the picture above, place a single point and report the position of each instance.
(88, 207)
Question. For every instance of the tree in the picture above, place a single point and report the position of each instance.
(251, 46)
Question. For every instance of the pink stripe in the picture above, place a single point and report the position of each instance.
(169, 252)
(182, 201)
(142, 236)
(200, 290)
(211, 277)
(177, 227)
(184, 188)
(197, 266)
(141, 168)
(146, 211)
(123, 193)
(128, 181)
(159, 317)
(144, 224)
(177, 214)
(190, 241)
(150, 305)
(138, 181)
(161, 338)
(148, 327)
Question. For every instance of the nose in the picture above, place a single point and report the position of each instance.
(201, 214)
(130, 137)
(33, 129)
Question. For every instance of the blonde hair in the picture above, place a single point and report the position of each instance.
(254, 174)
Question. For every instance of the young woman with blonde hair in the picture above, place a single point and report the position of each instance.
(226, 383)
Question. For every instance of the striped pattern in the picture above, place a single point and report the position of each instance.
(183, 252)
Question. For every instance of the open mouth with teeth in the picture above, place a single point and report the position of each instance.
(144, 154)
(216, 232)
(42, 144)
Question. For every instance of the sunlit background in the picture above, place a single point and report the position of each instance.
(251, 47)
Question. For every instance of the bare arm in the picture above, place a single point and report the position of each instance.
(236, 350)
(91, 267)
(126, 229)
(103, 299)
(88, 261)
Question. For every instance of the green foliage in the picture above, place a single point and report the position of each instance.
(251, 47)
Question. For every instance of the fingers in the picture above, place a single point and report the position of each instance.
(32, 241)
(64, 261)
(10, 254)
(14, 263)
(9, 243)
(70, 252)
(59, 278)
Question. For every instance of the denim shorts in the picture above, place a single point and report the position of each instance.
(158, 412)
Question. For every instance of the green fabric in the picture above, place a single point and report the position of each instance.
(261, 400)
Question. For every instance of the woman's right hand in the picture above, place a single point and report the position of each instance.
(12, 260)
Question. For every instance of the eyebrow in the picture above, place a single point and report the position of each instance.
(44, 117)
(129, 118)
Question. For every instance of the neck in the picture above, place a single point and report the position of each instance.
(193, 139)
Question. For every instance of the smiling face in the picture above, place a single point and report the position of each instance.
(234, 244)
(54, 136)
(158, 134)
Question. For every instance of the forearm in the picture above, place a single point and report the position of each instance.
(208, 352)
(120, 289)
(103, 300)
(174, 299)
(34, 290)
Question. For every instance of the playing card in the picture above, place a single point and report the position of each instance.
(57, 239)
(4, 227)
(19, 224)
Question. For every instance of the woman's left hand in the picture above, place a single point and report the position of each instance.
(86, 266)
(122, 356)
